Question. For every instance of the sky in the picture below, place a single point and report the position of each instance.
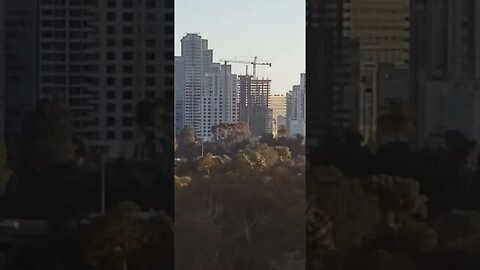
(272, 30)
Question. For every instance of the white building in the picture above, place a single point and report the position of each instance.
(207, 91)
(296, 109)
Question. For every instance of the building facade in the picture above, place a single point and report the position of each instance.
(446, 72)
(101, 58)
(254, 104)
(278, 104)
(296, 109)
(207, 92)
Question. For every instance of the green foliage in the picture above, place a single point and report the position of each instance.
(113, 238)
(249, 212)
(48, 139)
(230, 133)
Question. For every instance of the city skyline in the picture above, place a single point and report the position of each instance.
(283, 44)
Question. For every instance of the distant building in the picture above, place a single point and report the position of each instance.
(206, 92)
(446, 68)
(382, 29)
(179, 94)
(278, 104)
(253, 108)
(296, 109)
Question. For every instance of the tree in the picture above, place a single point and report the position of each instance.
(114, 238)
(397, 123)
(5, 171)
(206, 163)
(48, 137)
(187, 137)
(230, 133)
(282, 131)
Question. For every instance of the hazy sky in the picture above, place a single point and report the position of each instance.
(273, 30)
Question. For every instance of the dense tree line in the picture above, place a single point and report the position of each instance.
(242, 207)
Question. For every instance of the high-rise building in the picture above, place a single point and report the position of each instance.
(278, 104)
(333, 68)
(219, 99)
(296, 109)
(101, 58)
(382, 29)
(254, 108)
(207, 91)
(21, 62)
(446, 71)
(179, 94)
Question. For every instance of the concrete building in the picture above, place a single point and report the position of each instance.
(446, 73)
(179, 94)
(296, 109)
(219, 99)
(254, 104)
(382, 29)
(278, 104)
(333, 62)
(21, 62)
(207, 91)
(100, 57)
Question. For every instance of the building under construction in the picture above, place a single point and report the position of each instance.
(254, 107)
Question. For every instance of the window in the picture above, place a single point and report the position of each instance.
(111, 42)
(169, 56)
(150, 43)
(169, 69)
(110, 121)
(127, 17)
(128, 42)
(111, 29)
(111, 69)
(127, 30)
(150, 68)
(111, 16)
(127, 121)
(127, 108)
(111, 108)
(169, 82)
(111, 135)
(111, 94)
(127, 135)
(150, 56)
(127, 95)
(111, 3)
(151, 17)
(127, 69)
(150, 94)
(111, 81)
(150, 81)
(150, 3)
(169, 17)
(127, 81)
(127, 3)
(127, 55)
(169, 29)
(111, 56)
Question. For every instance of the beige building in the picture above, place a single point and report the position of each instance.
(278, 104)
(382, 29)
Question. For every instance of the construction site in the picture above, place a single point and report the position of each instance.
(254, 93)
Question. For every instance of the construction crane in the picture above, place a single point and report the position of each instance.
(254, 63)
